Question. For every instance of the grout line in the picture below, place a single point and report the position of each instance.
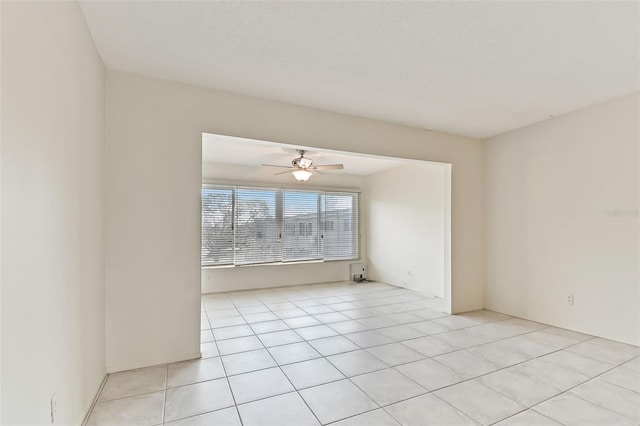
(87, 416)
(164, 400)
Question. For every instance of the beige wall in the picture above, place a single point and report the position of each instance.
(406, 213)
(152, 211)
(52, 242)
(548, 189)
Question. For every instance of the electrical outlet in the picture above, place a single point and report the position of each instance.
(53, 405)
(569, 299)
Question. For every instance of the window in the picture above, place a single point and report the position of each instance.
(300, 208)
(242, 225)
(257, 237)
(217, 225)
(342, 241)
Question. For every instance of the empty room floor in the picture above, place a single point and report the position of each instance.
(373, 354)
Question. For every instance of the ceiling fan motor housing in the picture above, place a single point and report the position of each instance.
(301, 162)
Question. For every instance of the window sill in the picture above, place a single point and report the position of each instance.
(299, 262)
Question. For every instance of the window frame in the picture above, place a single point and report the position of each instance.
(280, 220)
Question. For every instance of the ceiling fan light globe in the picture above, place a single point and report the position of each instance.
(301, 175)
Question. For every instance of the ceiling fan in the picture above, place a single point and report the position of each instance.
(302, 168)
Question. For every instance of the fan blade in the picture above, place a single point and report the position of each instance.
(330, 167)
(273, 165)
(281, 173)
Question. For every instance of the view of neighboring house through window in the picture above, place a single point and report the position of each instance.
(243, 225)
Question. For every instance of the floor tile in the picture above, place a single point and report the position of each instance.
(356, 362)
(550, 374)
(260, 317)
(294, 352)
(612, 397)
(460, 339)
(526, 346)
(330, 317)
(256, 309)
(245, 362)
(400, 332)
(479, 402)
(574, 335)
(372, 418)
(206, 336)
(359, 313)
(455, 323)
(283, 410)
(315, 332)
(141, 410)
(395, 354)
(291, 313)
(404, 318)
(227, 321)
(259, 384)
(299, 322)
(376, 322)
(518, 387)
(311, 373)
(224, 417)
(514, 361)
(279, 338)
(333, 345)
(483, 316)
(570, 410)
(367, 339)
(239, 344)
(624, 377)
(498, 355)
(487, 334)
(184, 373)
(429, 314)
(552, 339)
(578, 363)
(429, 346)
(337, 400)
(232, 332)
(466, 363)
(430, 374)
(634, 364)
(209, 350)
(388, 386)
(196, 399)
(221, 313)
(319, 309)
(346, 327)
(428, 327)
(134, 382)
(606, 351)
(528, 418)
(282, 306)
(428, 410)
(269, 326)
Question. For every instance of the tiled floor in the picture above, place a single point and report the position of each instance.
(372, 354)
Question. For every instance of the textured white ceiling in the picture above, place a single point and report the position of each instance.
(470, 68)
(250, 152)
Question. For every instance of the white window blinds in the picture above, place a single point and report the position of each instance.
(341, 239)
(217, 225)
(242, 225)
(257, 234)
(302, 237)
